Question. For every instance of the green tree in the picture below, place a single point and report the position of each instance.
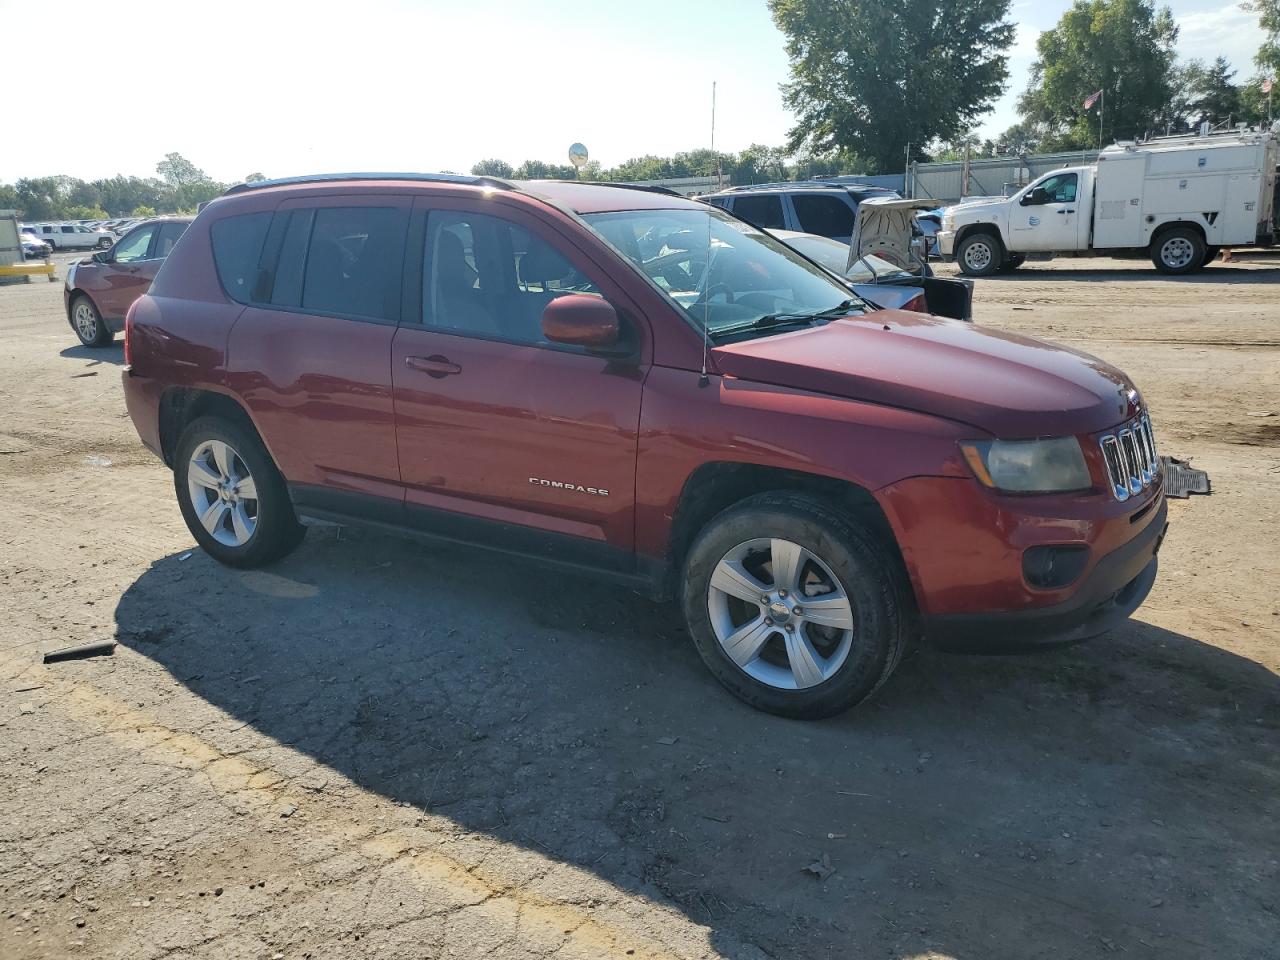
(872, 76)
(178, 171)
(8, 197)
(1125, 48)
(1211, 96)
(539, 170)
(1021, 139)
(142, 211)
(254, 178)
(492, 168)
(82, 212)
(1268, 56)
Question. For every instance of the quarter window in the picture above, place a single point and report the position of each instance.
(763, 210)
(824, 216)
(354, 262)
(491, 278)
(237, 245)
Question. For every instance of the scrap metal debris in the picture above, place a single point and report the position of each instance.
(821, 868)
(101, 648)
(1181, 479)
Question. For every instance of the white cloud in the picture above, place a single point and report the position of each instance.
(1227, 31)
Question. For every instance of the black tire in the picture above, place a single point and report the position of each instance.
(979, 255)
(869, 575)
(105, 242)
(276, 531)
(1210, 254)
(1178, 251)
(1012, 262)
(88, 324)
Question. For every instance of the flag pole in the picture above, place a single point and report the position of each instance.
(1102, 108)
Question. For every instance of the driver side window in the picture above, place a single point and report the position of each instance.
(134, 246)
(1059, 189)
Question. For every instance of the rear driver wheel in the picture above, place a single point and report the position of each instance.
(232, 496)
(1178, 251)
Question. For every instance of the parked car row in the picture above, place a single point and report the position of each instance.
(627, 382)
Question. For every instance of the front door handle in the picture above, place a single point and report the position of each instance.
(433, 366)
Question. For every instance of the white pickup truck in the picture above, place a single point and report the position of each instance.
(1176, 198)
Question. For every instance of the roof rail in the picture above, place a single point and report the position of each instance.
(647, 187)
(493, 183)
(785, 184)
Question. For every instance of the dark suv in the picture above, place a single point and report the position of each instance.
(632, 384)
(824, 208)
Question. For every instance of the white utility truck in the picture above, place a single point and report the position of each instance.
(1177, 199)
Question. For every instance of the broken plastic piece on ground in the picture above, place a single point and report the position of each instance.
(102, 648)
(1182, 480)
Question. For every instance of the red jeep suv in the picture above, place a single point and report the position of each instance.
(628, 383)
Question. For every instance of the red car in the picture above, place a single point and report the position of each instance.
(624, 382)
(100, 290)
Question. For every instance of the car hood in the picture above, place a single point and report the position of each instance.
(1008, 385)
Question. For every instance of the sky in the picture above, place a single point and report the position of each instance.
(284, 88)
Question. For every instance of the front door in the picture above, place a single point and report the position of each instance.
(496, 423)
(1047, 217)
(127, 274)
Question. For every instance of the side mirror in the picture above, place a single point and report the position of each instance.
(1034, 198)
(582, 321)
(102, 256)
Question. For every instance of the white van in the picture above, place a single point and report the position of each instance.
(1177, 198)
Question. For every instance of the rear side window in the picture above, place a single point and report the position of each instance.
(825, 216)
(722, 202)
(168, 238)
(354, 262)
(763, 210)
(237, 245)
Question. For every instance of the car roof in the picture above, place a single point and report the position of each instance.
(577, 196)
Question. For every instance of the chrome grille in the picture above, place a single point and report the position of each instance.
(1130, 456)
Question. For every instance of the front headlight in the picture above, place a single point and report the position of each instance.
(948, 222)
(1028, 466)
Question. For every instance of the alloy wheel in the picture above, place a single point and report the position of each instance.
(223, 493)
(86, 321)
(780, 613)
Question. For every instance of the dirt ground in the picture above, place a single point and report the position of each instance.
(379, 749)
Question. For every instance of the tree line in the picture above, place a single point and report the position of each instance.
(874, 84)
(179, 188)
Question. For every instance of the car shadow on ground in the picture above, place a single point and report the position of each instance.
(112, 353)
(1066, 804)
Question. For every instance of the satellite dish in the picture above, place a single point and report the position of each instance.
(578, 155)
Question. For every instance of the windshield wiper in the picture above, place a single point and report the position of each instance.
(771, 320)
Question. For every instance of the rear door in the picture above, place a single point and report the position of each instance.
(495, 423)
(310, 354)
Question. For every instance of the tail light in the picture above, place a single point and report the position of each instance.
(128, 334)
(917, 303)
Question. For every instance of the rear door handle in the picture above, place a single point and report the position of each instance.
(433, 366)
(1066, 211)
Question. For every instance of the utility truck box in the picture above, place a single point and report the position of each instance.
(1177, 198)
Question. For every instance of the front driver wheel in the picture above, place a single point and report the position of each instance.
(979, 255)
(88, 323)
(232, 496)
(794, 606)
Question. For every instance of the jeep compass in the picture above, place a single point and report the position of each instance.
(624, 382)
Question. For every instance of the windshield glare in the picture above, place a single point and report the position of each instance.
(716, 268)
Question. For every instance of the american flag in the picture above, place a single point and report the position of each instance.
(1092, 99)
(1266, 85)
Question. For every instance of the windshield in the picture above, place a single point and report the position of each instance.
(719, 269)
